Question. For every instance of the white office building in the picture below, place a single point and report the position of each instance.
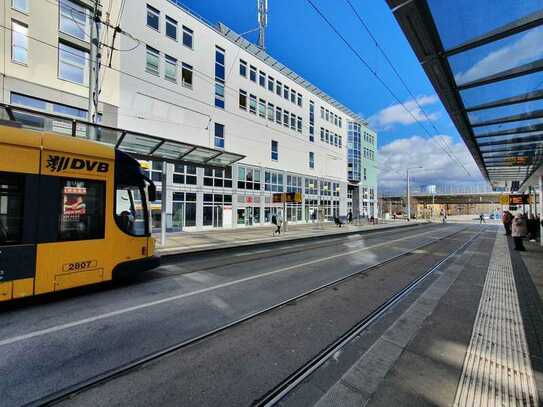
(174, 75)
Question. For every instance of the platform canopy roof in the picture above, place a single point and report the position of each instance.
(139, 145)
(485, 61)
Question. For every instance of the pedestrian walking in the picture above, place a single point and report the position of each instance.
(507, 219)
(482, 218)
(533, 226)
(350, 216)
(277, 221)
(518, 231)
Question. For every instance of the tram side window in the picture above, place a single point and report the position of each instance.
(82, 210)
(11, 208)
(129, 210)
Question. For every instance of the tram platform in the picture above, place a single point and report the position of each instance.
(472, 336)
(201, 241)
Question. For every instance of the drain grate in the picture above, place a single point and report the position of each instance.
(497, 369)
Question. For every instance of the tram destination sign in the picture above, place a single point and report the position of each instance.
(287, 197)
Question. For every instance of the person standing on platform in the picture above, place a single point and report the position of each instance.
(519, 230)
(277, 222)
(481, 218)
(507, 218)
(350, 216)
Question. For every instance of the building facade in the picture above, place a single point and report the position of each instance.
(175, 75)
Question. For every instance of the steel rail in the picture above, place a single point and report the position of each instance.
(291, 382)
(71, 391)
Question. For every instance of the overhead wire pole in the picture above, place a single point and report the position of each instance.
(94, 67)
(262, 6)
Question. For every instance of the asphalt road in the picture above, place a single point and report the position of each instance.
(46, 346)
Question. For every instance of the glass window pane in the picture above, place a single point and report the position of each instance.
(73, 64)
(21, 5)
(19, 45)
(492, 58)
(479, 131)
(461, 20)
(11, 208)
(504, 111)
(74, 20)
(83, 206)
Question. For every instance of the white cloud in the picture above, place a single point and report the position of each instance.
(438, 168)
(397, 114)
(526, 49)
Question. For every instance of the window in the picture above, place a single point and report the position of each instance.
(326, 187)
(335, 119)
(242, 99)
(293, 96)
(335, 189)
(188, 35)
(72, 64)
(311, 186)
(248, 178)
(155, 171)
(271, 84)
(243, 68)
(327, 136)
(322, 112)
(171, 28)
(278, 88)
(152, 62)
(252, 73)
(219, 77)
(293, 121)
(153, 17)
(340, 142)
(11, 208)
(299, 100)
(186, 75)
(183, 210)
(279, 115)
(82, 204)
(286, 91)
(252, 104)
(322, 134)
(294, 183)
(219, 135)
(311, 121)
(19, 42)
(184, 174)
(213, 209)
(170, 70)
(285, 118)
(262, 79)
(218, 177)
(271, 114)
(299, 124)
(273, 181)
(262, 108)
(365, 174)
(339, 121)
(20, 5)
(129, 213)
(327, 115)
(274, 150)
(74, 20)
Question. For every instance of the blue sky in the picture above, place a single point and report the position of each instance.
(299, 38)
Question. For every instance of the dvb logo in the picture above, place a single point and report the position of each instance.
(57, 163)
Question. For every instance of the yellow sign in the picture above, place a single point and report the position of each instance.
(504, 199)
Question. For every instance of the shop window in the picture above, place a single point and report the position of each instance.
(183, 210)
(273, 181)
(184, 174)
(218, 177)
(248, 178)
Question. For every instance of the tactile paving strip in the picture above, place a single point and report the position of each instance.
(497, 369)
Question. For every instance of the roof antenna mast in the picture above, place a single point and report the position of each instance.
(262, 6)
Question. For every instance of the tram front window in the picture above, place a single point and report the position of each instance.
(130, 210)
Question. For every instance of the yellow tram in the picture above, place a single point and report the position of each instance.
(72, 212)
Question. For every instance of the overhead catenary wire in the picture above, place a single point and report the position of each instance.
(414, 98)
(328, 148)
(374, 73)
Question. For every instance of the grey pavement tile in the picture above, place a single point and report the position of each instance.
(343, 395)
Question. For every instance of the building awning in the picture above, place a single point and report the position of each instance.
(139, 145)
(485, 60)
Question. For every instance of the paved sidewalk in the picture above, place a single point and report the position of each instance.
(187, 242)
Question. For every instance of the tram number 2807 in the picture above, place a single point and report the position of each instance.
(80, 265)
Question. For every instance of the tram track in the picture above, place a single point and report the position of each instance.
(276, 394)
(237, 259)
(109, 375)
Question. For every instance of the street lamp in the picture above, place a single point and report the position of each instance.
(408, 194)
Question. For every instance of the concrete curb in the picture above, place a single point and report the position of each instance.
(168, 256)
